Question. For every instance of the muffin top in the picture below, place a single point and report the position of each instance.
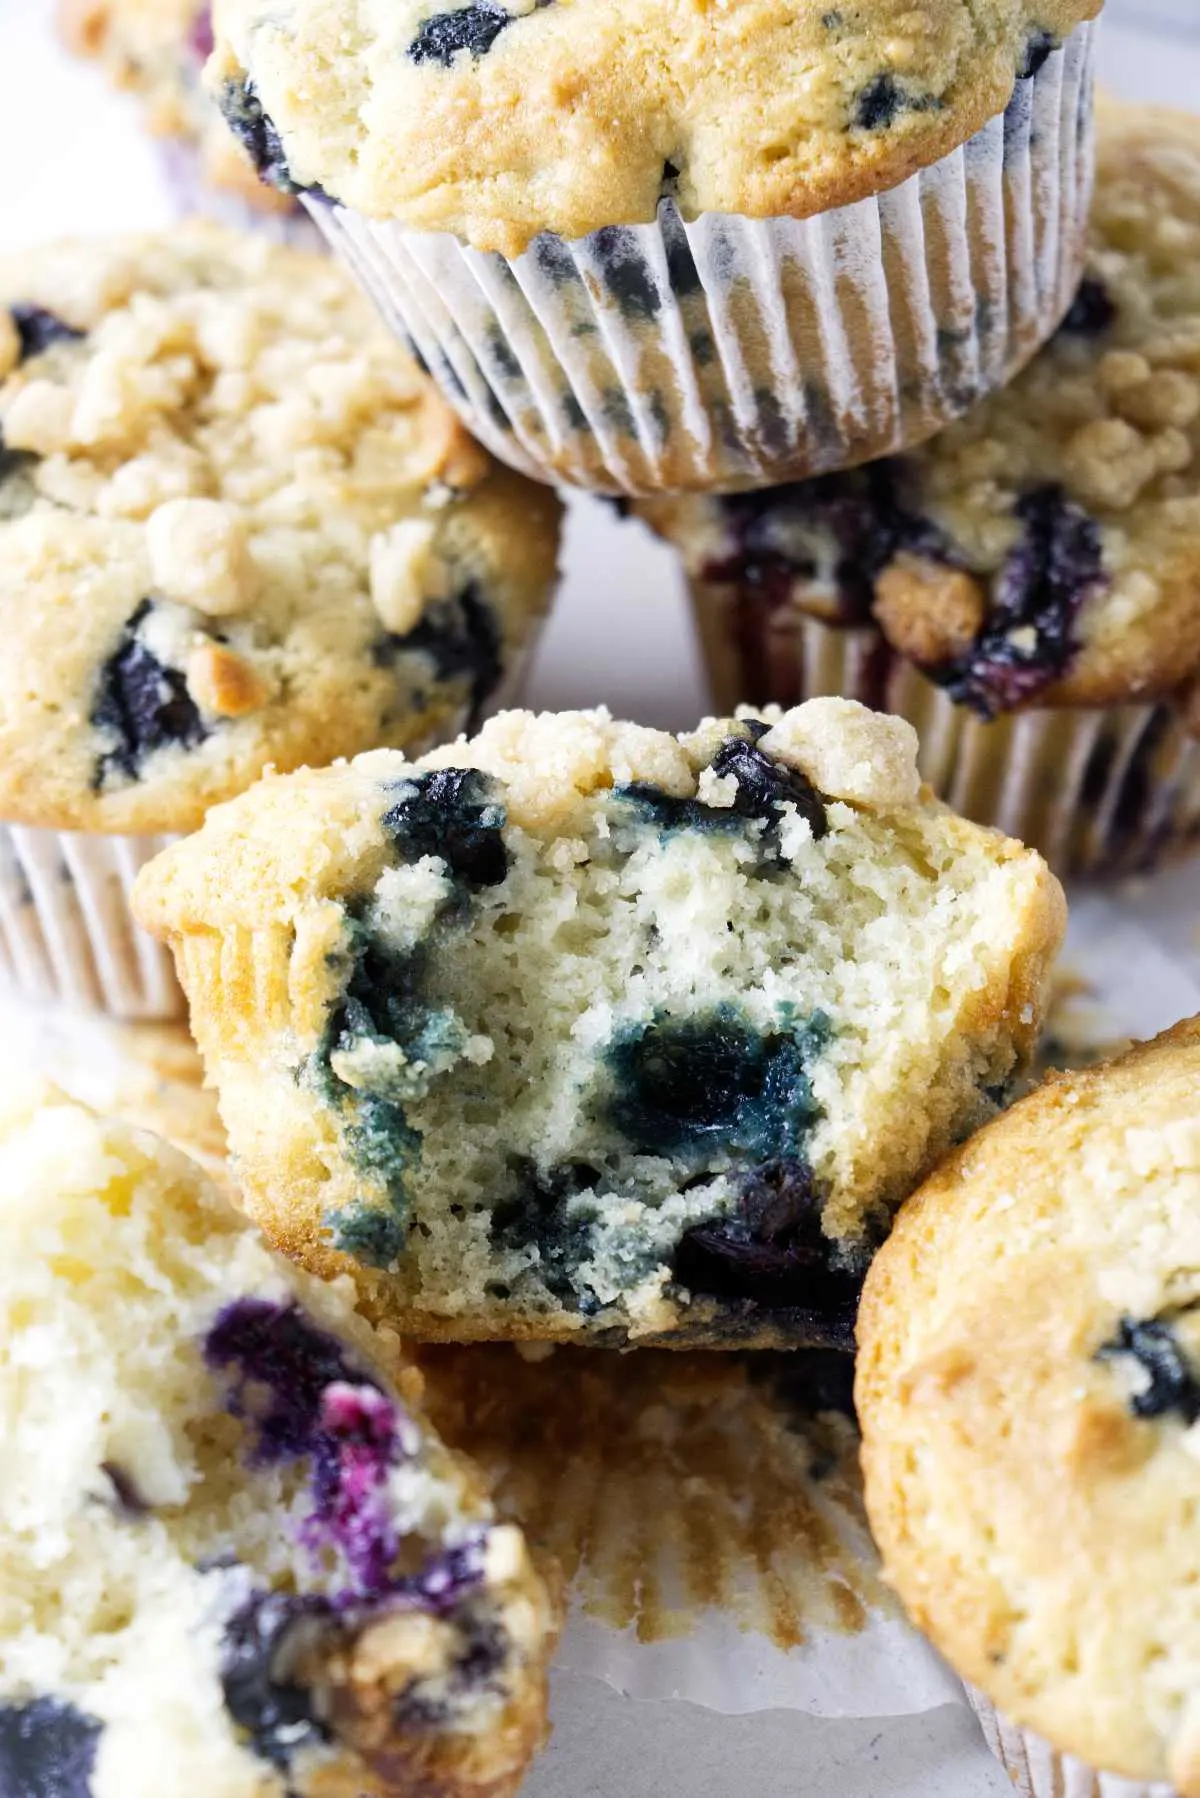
(157, 49)
(234, 1557)
(1045, 549)
(1029, 1390)
(237, 527)
(497, 121)
(577, 1029)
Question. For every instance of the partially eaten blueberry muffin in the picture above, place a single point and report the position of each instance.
(236, 1560)
(580, 1030)
(237, 527)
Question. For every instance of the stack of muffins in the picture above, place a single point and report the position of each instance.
(566, 1030)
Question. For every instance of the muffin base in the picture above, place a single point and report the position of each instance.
(733, 352)
(1039, 1771)
(1100, 792)
(66, 928)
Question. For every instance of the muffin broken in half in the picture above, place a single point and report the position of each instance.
(235, 1559)
(577, 1030)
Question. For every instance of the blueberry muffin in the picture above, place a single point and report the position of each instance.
(1029, 1390)
(236, 1560)
(1026, 587)
(157, 49)
(652, 247)
(578, 1030)
(237, 527)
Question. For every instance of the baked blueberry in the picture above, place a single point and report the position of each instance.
(1169, 1384)
(1093, 310)
(244, 114)
(140, 707)
(456, 814)
(38, 328)
(1056, 565)
(471, 28)
(47, 1750)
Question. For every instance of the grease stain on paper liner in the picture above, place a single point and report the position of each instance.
(670, 1485)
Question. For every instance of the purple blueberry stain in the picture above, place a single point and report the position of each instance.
(776, 537)
(294, 1385)
(1056, 565)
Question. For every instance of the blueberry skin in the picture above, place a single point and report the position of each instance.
(1173, 1388)
(452, 813)
(255, 131)
(277, 1349)
(276, 1713)
(1056, 565)
(462, 639)
(1093, 310)
(38, 329)
(709, 1084)
(141, 706)
(47, 1750)
(1038, 51)
(772, 1251)
(763, 787)
(867, 512)
(473, 29)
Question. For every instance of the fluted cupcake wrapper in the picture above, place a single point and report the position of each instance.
(67, 932)
(1099, 792)
(1039, 1771)
(183, 173)
(732, 352)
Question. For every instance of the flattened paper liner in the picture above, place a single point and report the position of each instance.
(67, 933)
(732, 352)
(710, 1527)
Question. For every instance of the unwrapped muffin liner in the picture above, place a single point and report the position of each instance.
(1039, 1771)
(732, 352)
(1100, 792)
(183, 174)
(67, 932)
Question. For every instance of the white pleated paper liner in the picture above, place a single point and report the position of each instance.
(732, 352)
(1039, 1771)
(67, 933)
(194, 197)
(1100, 793)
